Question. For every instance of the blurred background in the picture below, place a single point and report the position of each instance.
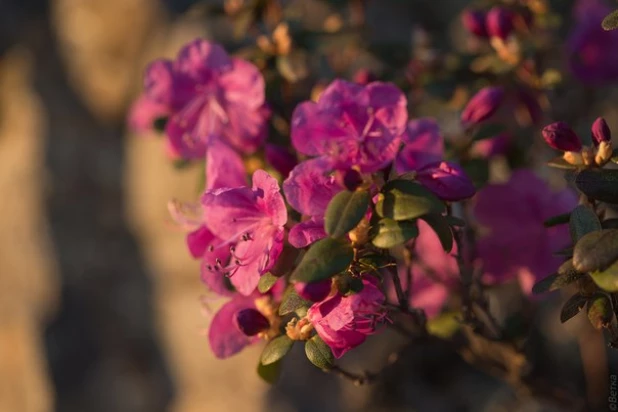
(99, 301)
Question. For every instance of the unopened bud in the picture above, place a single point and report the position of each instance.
(351, 179)
(364, 76)
(600, 131)
(560, 136)
(251, 322)
(482, 105)
(499, 22)
(474, 22)
(314, 291)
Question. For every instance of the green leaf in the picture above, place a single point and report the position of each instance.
(325, 258)
(276, 349)
(607, 279)
(319, 353)
(444, 325)
(610, 22)
(600, 311)
(269, 373)
(560, 163)
(389, 233)
(405, 200)
(266, 282)
(286, 261)
(345, 211)
(477, 170)
(440, 226)
(556, 281)
(487, 131)
(583, 221)
(347, 284)
(596, 251)
(557, 220)
(599, 184)
(572, 307)
(291, 301)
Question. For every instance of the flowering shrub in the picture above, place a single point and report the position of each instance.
(361, 216)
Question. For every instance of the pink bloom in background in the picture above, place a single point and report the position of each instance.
(308, 189)
(422, 152)
(589, 48)
(516, 244)
(204, 92)
(250, 223)
(482, 106)
(494, 146)
(279, 157)
(500, 22)
(343, 322)
(474, 22)
(352, 125)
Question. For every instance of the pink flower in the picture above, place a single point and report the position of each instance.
(499, 22)
(204, 92)
(600, 131)
(515, 244)
(308, 189)
(352, 125)
(482, 106)
(343, 322)
(474, 22)
(494, 146)
(588, 44)
(422, 152)
(560, 136)
(249, 222)
(282, 159)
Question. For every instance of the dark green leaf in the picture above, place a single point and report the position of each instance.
(455, 221)
(405, 200)
(159, 124)
(557, 220)
(291, 301)
(596, 251)
(266, 282)
(444, 325)
(599, 184)
(583, 221)
(440, 226)
(324, 259)
(610, 224)
(556, 281)
(477, 170)
(285, 261)
(347, 284)
(276, 349)
(488, 130)
(600, 311)
(560, 163)
(269, 373)
(345, 211)
(389, 233)
(572, 307)
(610, 22)
(319, 353)
(607, 279)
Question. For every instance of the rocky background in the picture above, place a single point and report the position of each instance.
(99, 302)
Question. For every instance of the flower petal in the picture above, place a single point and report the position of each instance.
(224, 337)
(447, 181)
(423, 145)
(269, 198)
(305, 233)
(309, 188)
(224, 167)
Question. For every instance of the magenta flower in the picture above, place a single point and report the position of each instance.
(474, 22)
(308, 189)
(280, 158)
(422, 152)
(494, 146)
(588, 45)
(250, 225)
(205, 92)
(600, 131)
(515, 244)
(560, 136)
(352, 125)
(482, 106)
(499, 22)
(314, 291)
(343, 322)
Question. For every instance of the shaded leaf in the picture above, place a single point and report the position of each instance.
(607, 279)
(477, 170)
(572, 307)
(555, 281)
(269, 373)
(276, 349)
(596, 251)
(557, 220)
(455, 221)
(444, 325)
(600, 311)
(610, 22)
(291, 301)
(405, 200)
(319, 353)
(599, 184)
(345, 211)
(583, 221)
(440, 226)
(325, 258)
(266, 282)
(389, 233)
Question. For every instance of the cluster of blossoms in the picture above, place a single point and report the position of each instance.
(370, 179)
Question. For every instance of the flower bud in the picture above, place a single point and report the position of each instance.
(560, 136)
(364, 76)
(499, 22)
(315, 291)
(350, 179)
(474, 22)
(251, 322)
(482, 105)
(600, 132)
